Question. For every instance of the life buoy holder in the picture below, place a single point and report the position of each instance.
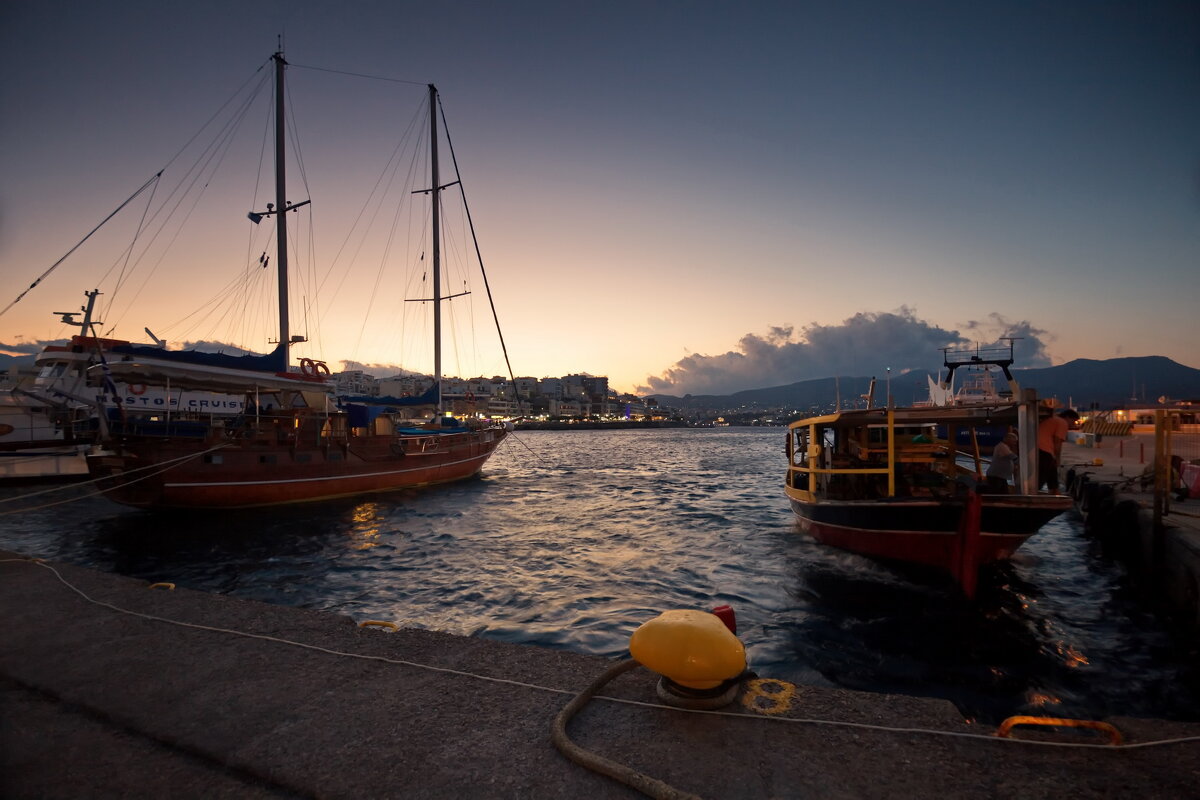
(313, 369)
(137, 388)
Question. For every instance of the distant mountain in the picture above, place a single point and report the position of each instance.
(1110, 383)
(7, 362)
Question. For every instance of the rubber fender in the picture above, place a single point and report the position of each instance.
(1123, 522)
(1069, 481)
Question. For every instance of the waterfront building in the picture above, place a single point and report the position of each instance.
(356, 382)
(572, 386)
(566, 408)
(526, 388)
(595, 387)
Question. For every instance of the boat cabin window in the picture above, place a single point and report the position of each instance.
(799, 446)
(53, 371)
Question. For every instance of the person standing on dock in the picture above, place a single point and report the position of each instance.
(1052, 432)
(1004, 460)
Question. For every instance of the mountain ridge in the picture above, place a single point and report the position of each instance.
(1109, 383)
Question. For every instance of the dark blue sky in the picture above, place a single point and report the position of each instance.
(691, 184)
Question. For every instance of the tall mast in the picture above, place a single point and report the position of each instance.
(281, 264)
(437, 252)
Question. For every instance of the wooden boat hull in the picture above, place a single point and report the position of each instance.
(203, 473)
(927, 531)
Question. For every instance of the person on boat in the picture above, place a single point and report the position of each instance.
(1004, 462)
(1052, 432)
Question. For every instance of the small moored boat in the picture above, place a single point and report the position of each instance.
(882, 482)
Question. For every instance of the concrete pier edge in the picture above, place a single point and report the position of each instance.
(1118, 509)
(103, 703)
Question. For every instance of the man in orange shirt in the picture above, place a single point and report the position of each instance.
(1052, 432)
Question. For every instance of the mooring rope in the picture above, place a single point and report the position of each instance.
(507, 681)
(159, 469)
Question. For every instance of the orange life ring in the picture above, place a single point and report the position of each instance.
(137, 388)
(312, 369)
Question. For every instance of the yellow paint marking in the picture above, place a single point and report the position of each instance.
(768, 696)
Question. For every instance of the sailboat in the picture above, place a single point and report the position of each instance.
(295, 441)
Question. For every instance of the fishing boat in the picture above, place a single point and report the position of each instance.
(295, 440)
(883, 482)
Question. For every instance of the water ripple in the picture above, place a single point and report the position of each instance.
(599, 531)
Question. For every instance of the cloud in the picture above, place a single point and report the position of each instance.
(1030, 348)
(376, 370)
(24, 348)
(865, 344)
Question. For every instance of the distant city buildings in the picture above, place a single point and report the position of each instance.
(570, 397)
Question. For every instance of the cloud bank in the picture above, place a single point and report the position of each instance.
(22, 348)
(865, 344)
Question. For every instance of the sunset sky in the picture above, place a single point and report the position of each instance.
(683, 196)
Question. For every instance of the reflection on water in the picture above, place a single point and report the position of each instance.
(573, 539)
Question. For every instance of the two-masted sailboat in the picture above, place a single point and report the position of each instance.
(294, 441)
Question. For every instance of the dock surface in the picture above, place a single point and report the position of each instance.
(111, 688)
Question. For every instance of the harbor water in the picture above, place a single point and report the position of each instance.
(573, 539)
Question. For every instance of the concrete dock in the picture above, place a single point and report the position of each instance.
(114, 689)
(1122, 516)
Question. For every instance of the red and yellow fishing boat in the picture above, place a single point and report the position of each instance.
(882, 482)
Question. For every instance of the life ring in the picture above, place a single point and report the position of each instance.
(137, 388)
(313, 369)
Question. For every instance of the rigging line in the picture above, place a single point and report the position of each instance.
(532, 452)
(201, 163)
(136, 233)
(56, 264)
(184, 180)
(470, 222)
(178, 232)
(238, 286)
(217, 113)
(215, 150)
(358, 75)
(381, 189)
(305, 278)
(390, 168)
(258, 174)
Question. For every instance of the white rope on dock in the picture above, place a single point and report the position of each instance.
(507, 681)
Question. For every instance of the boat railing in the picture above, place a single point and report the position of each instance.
(835, 463)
